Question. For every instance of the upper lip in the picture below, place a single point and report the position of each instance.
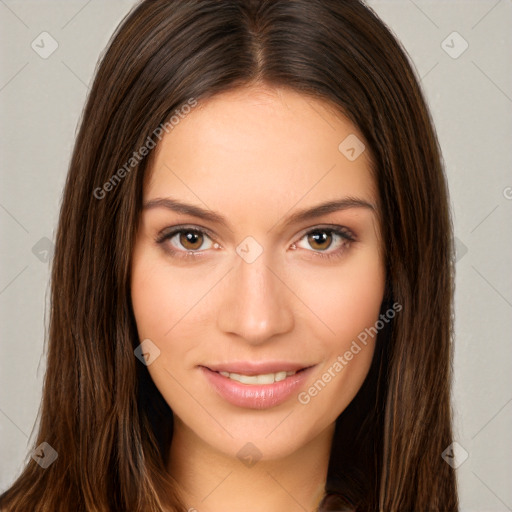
(257, 368)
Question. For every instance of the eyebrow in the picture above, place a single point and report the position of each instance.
(297, 217)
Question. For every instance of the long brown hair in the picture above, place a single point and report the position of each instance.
(100, 410)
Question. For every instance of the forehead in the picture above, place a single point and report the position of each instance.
(260, 146)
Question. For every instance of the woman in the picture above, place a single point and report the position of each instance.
(252, 283)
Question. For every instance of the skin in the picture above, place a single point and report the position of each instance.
(256, 155)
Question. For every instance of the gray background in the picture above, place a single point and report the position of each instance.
(471, 101)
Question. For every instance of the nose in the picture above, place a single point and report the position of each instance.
(257, 304)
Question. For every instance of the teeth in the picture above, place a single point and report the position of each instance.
(268, 378)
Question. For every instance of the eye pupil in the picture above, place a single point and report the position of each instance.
(191, 237)
(319, 237)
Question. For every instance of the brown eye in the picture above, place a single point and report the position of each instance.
(320, 240)
(185, 241)
(328, 242)
(191, 240)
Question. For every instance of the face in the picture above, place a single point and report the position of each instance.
(254, 300)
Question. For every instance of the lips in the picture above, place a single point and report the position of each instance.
(257, 368)
(257, 392)
(266, 378)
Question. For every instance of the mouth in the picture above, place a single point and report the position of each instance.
(256, 389)
(264, 378)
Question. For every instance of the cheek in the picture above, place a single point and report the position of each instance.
(163, 298)
(170, 306)
(348, 302)
(345, 299)
(153, 306)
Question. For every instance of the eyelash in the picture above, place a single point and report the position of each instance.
(345, 234)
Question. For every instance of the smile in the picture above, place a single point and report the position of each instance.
(267, 378)
(258, 390)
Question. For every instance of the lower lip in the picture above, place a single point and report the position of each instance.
(256, 396)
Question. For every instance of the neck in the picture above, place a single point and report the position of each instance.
(212, 481)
